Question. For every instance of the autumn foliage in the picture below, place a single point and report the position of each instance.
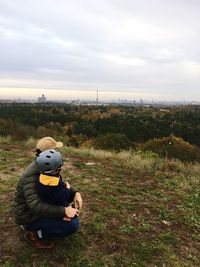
(172, 147)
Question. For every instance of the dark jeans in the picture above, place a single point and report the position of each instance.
(54, 227)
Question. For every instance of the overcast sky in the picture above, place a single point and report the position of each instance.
(127, 48)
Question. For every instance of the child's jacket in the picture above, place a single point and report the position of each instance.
(52, 190)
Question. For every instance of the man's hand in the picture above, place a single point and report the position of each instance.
(78, 202)
(70, 213)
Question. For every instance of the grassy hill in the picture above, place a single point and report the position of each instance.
(139, 210)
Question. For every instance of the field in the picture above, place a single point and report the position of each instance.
(139, 210)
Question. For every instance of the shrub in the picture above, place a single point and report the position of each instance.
(77, 140)
(50, 129)
(113, 141)
(87, 144)
(172, 147)
(21, 132)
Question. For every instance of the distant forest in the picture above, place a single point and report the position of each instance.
(101, 126)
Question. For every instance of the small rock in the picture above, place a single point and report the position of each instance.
(89, 163)
(166, 222)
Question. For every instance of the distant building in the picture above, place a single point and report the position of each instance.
(42, 99)
(76, 102)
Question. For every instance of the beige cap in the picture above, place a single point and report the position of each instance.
(47, 143)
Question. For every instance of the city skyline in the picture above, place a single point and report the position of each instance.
(33, 95)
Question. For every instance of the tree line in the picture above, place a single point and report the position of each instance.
(112, 127)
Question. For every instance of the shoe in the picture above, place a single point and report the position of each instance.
(37, 242)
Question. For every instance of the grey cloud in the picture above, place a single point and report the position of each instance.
(113, 44)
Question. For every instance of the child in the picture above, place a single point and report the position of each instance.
(50, 185)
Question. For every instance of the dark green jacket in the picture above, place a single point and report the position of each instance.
(27, 204)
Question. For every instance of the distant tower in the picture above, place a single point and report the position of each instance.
(97, 99)
(42, 99)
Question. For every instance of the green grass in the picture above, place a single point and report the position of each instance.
(139, 210)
